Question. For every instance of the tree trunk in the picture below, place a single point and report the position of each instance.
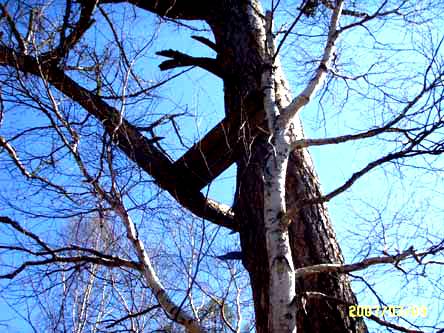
(313, 240)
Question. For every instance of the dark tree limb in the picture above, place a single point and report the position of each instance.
(19, 228)
(206, 42)
(235, 255)
(131, 315)
(209, 157)
(175, 9)
(128, 138)
(81, 260)
(218, 150)
(48, 255)
(403, 153)
(13, 27)
(68, 42)
(179, 59)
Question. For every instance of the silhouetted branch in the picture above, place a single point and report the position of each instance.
(206, 42)
(179, 59)
(130, 140)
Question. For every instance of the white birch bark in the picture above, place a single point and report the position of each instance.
(191, 324)
(282, 132)
(280, 261)
(318, 79)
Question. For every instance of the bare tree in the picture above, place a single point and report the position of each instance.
(95, 149)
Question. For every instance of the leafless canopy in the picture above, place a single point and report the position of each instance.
(113, 136)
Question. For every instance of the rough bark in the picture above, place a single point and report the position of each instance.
(313, 240)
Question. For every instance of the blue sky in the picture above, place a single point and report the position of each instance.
(402, 202)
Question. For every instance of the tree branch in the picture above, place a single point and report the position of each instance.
(29, 175)
(129, 316)
(234, 255)
(409, 151)
(175, 312)
(131, 141)
(67, 42)
(339, 268)
(207, 42)
(117, 262)
(215, 152)
(55, 254)
(175, 9)
(13, 27)
(304, 143)
(304, 97)
(347, 12)
(19, 228)
(388, 127)
(179, 59)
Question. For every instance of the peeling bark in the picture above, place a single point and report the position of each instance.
(311, 236)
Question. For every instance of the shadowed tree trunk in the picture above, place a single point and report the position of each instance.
(313, 240)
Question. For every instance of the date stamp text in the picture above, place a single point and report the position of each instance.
(389, 310)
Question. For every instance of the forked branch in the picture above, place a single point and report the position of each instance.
(179, 59)
(321, 73)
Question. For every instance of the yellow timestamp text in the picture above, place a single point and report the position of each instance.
(389, 310)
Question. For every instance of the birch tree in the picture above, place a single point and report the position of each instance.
(74, 81)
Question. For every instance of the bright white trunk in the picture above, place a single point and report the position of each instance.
(171, 309)
(280, 261)
(284, 127)
(282, 279)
